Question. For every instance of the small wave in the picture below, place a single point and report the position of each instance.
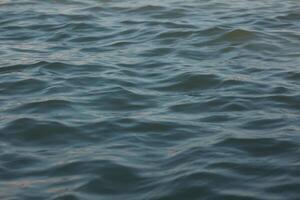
(285, 189)
(238, 35)
(157, 52)
(19, 87)
(174, 34)
(27, 131)
(289, 16)
(109, 175)
(171, 14)
(259, 146)
(146, 9)
(189, 82)
(55, 105)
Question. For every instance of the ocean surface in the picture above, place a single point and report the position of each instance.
(150, 100)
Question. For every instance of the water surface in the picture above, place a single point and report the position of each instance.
(150, 100)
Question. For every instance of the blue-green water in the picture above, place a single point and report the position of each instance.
(150, 100)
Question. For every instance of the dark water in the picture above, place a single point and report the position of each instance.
(150, 100)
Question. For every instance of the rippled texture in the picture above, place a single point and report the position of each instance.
(156, 100)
